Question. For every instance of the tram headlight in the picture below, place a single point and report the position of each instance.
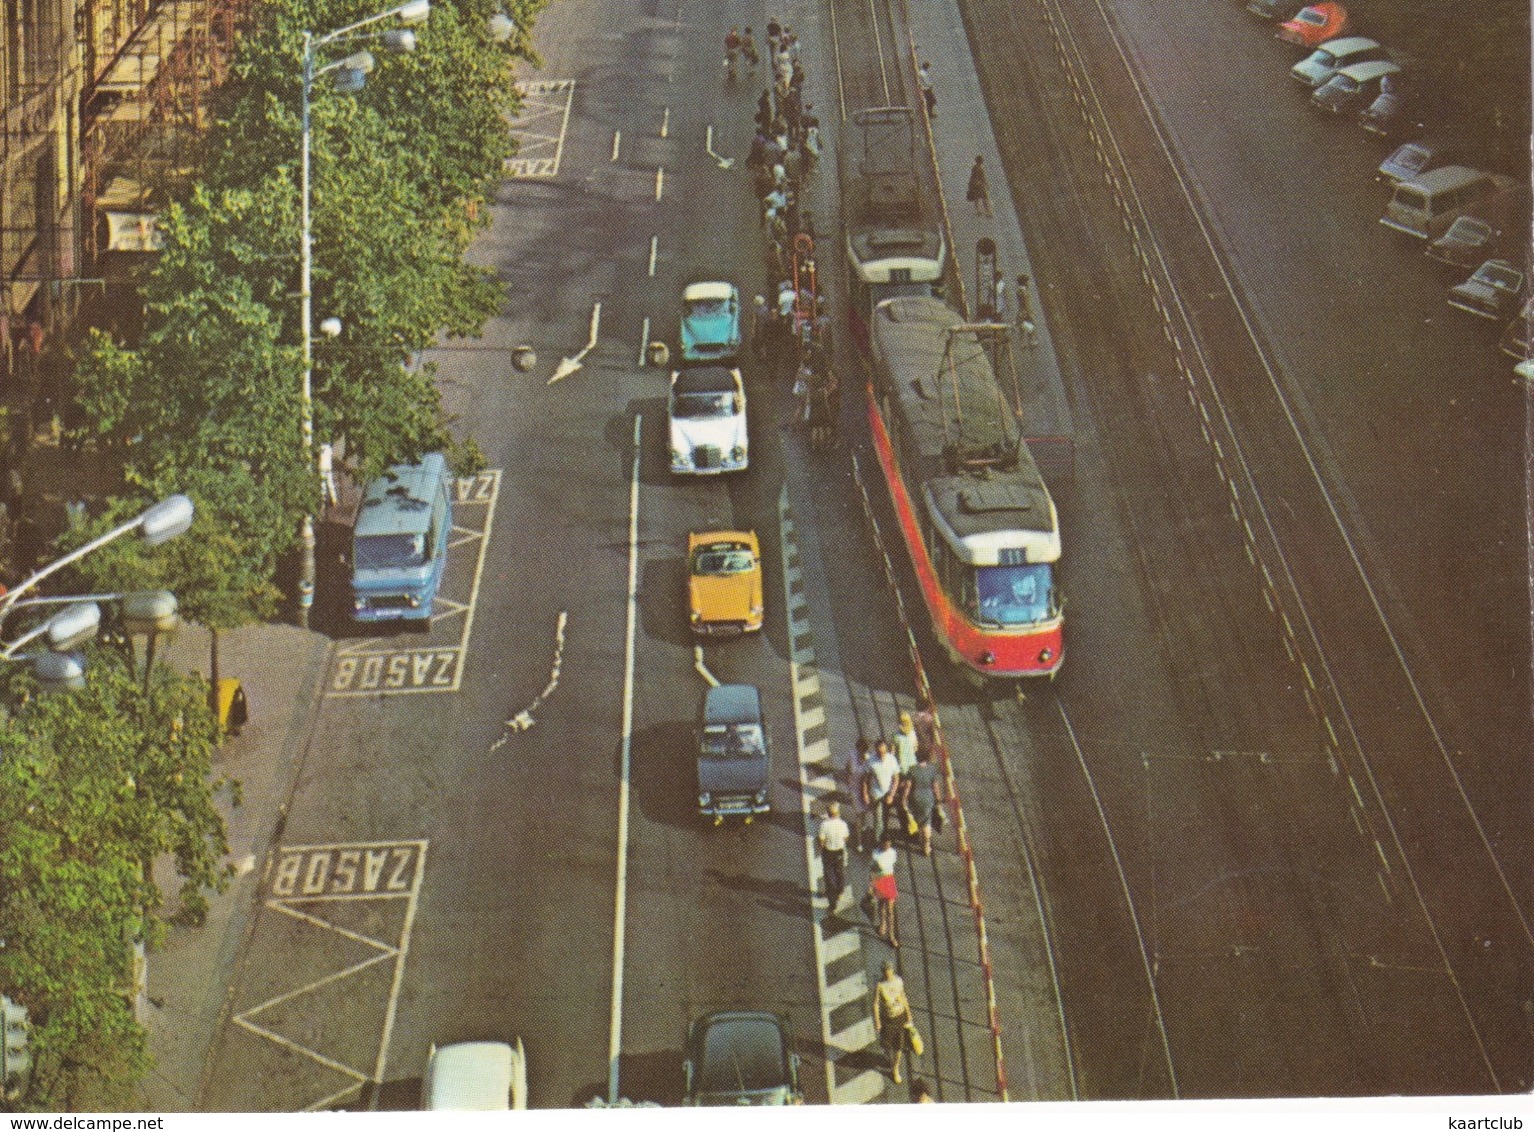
(1046, 655)
(987, 657)
(738, 453)
(679, 458)
(704, 799)
(414, 600)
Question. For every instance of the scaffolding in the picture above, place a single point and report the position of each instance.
(145, 102)
(104, 105)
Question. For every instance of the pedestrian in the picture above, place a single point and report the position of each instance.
(892, 1013)
(924, 81)
(857, 768)
(764, 111)
(748, 49)
(832, 838)
(759, 326)
(979, 191)
(774, 37)
(921, 1092)
(879, 785)
(904, 742)
(924, 793)
(881, 883)
(802, 396)
(793, 166)
(731, 49)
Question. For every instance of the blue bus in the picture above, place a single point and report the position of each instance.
(399, 543)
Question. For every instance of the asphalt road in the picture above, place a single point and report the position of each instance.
(1244, 885)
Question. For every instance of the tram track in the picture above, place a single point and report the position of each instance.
(1149, 435)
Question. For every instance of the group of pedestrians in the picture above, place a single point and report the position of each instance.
(791, 332)
(895, 791)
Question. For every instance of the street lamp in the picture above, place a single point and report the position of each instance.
(79, 620)
(165, 520)
(352, 74)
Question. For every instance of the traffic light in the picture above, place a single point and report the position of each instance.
(15, 1057)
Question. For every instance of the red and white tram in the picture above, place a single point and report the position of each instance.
(973, 509)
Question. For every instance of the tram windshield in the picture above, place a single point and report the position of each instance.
(1015, 595)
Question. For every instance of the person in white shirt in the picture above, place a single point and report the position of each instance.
(881, 882)
(880, 786)
(832, 838)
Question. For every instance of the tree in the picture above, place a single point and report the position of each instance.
(207, 402)
(94, 787)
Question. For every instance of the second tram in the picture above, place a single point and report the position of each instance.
(894, 243)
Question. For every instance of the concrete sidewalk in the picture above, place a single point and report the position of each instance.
(281, 668)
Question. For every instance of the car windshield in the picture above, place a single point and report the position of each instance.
(703, 405)
(1412, 157)
(1311, 16)
(1341, 84)
(741, 1057)
(707, 310)
(1470, 230)
(1500, 276)
(730, 743)
(1015, 595)
(389, 552)
(723, 560)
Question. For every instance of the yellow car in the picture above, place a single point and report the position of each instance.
(724, 582)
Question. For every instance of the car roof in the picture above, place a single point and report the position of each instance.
(400, 500)
(699, 291)
(470, 1077)
(732, 703)
(1364, 72)
(1446, 175)
(1347, 45)
(704, 379)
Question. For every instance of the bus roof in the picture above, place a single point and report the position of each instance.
(399, 502)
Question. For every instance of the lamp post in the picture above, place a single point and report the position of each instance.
(79, 620)
(354, 69)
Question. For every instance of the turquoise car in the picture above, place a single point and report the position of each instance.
(710, 323)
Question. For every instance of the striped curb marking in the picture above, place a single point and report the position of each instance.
(846, 1020)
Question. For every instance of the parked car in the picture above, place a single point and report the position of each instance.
(1333, 55)
(1352, 87)
(1412, 159)
(1396, 111)
(1425, 206)
(1274, 9)
(724, 582)
(1467, 242)
(740, 1057)
(1492, 292)
(734, 754)
(1314, 25)
(707, 414)
(710, 331)
(475, 1077)
(1518, 338)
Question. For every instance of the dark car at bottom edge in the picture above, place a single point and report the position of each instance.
(740, 1057)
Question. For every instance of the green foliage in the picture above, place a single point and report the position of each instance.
(95, 786)
(208, 403)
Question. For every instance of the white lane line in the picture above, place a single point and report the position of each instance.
(620, 899)
(660, 181)
(404, 947)
(644, 342)
(665, 121)
(617, 141)
(697, 662)
(654, 244)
